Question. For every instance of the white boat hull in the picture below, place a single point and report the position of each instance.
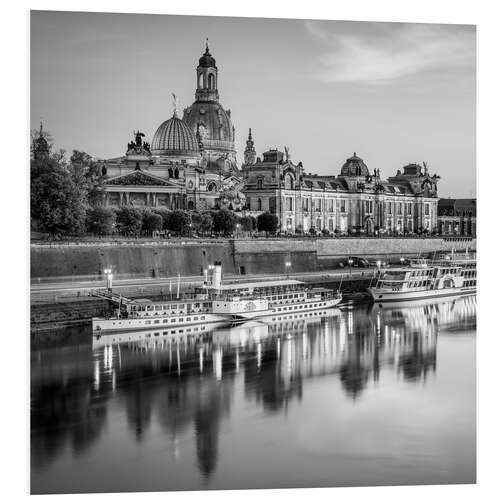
(289, 308)
(384, 295)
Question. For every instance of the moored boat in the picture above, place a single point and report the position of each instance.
(426, 279)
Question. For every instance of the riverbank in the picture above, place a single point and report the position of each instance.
(78, 260)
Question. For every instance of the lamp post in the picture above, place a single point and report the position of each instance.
(288, 265)
(402, 260)
(109, 279)
(238, 226)
(350, 261)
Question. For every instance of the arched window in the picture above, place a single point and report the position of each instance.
(200, 80)
(288, 181)
(176, 173)
(259, 183)
(259, 204)
(211, 81)
(170, 172)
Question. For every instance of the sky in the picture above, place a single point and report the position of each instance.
(394, 93)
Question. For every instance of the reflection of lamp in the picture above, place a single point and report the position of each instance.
(288, 265)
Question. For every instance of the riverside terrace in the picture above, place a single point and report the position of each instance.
(156, 258)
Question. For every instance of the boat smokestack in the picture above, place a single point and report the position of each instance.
(217, 275)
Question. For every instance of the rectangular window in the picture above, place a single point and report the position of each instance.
(426, 209)
(342, 206)
(289, 204)
(330, 206)
(400, 208)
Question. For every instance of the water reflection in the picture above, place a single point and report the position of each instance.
(188, 384)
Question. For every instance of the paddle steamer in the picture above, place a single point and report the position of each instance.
(216, 302)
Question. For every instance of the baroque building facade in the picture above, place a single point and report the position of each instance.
(457, 217)
(190, 163)
(355, 201)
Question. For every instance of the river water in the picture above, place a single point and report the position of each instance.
(362, 395)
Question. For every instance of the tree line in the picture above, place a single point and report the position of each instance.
(67, 200)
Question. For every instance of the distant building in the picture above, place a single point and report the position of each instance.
(190, 163)
(355, 201)
(457, 216)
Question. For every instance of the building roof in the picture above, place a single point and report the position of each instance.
(207, 60)
(354, 166)
(457, 206)
(260, 284)
(174, 138)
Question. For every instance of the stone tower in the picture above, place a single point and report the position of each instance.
(249, 157)
(209, 121)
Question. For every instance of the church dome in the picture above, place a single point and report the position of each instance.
(354, 166)
(206, 60)
(213, 123)
(174, 138)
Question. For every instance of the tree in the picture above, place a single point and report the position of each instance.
(152, 222)
(267, 222)
(179, 221)
(248, 223)
(202, 223)
(224, 221)
(57, 203)
(165, 215)
(88, 174)
(129, 220)
(100, 220)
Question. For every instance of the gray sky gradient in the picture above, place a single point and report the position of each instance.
(394, 93)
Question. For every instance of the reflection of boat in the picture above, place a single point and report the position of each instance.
(421, 279)
(254, 331)
(100, 339)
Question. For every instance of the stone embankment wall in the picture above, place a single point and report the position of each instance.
(252, 256)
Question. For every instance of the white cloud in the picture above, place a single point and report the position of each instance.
(376, 52)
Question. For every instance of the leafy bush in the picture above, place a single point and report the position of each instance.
(179, 221)
(224, 221)
(267, 222)
(100, 220)
(152, 222)
(129, 220)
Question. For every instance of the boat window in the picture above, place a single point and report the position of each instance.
(148, 322)
(174, 306)
(173, 320)
(165, 321)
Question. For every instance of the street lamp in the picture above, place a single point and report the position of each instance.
(109, 279)
(288, 265)
(350, 262)
(401, 259)
(238, 228)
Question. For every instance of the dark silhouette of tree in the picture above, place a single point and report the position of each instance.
(100, 220)
(224, 221)
(57, 202)
(129, 220)
(267, 222)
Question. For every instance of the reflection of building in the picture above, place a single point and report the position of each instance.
(457, 217)
(191, 162)
(354, 201)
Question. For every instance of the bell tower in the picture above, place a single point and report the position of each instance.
(249, 156)
(206, 78)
